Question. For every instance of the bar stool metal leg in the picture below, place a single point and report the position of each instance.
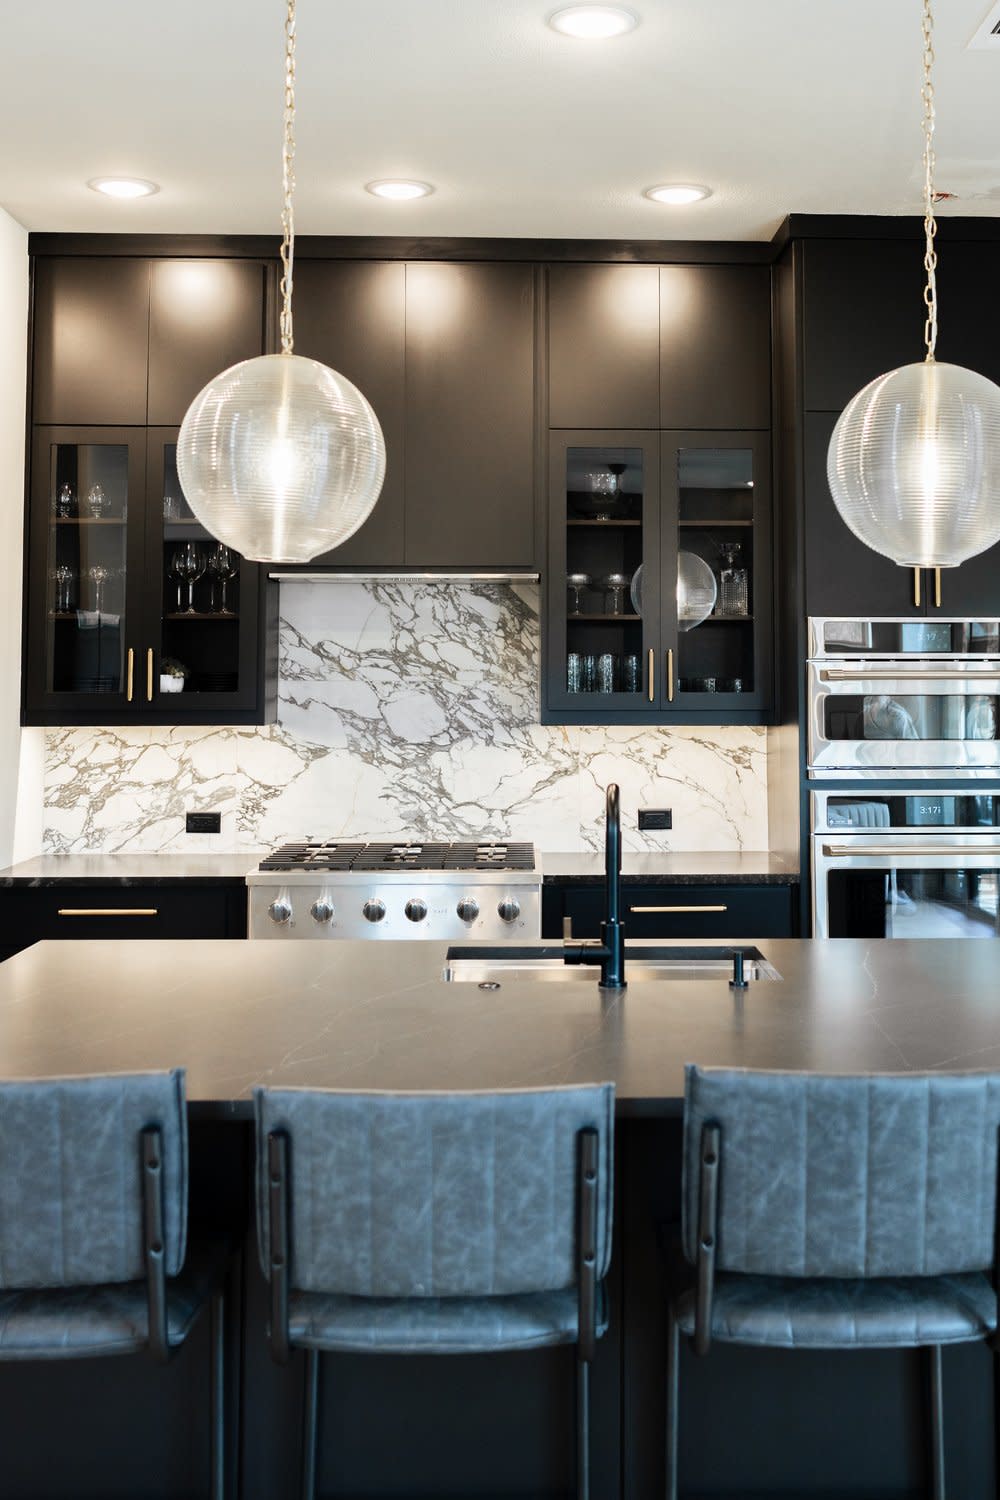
(217, 1487)
(582, 1429)
(673, 1396)
(310, 1425)
(935, 1414)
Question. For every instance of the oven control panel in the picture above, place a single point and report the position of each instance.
(442, 912)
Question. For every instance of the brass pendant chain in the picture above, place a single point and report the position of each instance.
(288, 184)
(930, 223)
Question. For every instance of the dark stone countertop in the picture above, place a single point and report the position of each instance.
(130, 869)
(379, 1016)
(752, 867)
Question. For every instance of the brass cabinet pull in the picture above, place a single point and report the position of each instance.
(678, 908)
(130, 676)
(937, 588)
(108, 911)
(916, 588)
(149, 675)
(670, 675)
(651, 677)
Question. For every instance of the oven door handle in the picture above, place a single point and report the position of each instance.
(899, 851)
(904, 674)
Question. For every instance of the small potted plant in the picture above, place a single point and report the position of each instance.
(172, 675)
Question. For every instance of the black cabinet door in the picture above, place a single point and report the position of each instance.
(843, 576)
(470, 410)
(204, 315)
(715, 346)
(604, 346)
(90, 340)
(350, 315)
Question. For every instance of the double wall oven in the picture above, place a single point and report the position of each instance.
(903, 745)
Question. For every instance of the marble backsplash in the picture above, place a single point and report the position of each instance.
(404, 709)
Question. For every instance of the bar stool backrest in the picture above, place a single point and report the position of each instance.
(878, 1175)
(434, 1195)
(71, 1177)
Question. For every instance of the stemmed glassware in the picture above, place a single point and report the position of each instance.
(63, 577)
(189, 565)
(576, 583)
(65, 502)
(97, 501)
(616, 584)
(223, 564)
(98, 576)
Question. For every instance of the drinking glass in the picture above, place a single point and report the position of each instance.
(606, 672)
(589, 674)
(189, 564)
(631, 676)
(223, 564)
(171, 508)
(65, 502)
(574, 672)
(616, 584)
(577, 582)
(97, 501)
(98, 576)
(63, 577)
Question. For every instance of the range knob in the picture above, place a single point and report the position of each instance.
(416, 910)
(509, 909)
(373, 911)
(322, 909)
(468, 908)
(280, 910)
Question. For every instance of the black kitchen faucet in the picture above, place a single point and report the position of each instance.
(609, 949)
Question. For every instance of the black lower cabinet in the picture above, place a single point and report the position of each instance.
(30, 913)
(676, 911)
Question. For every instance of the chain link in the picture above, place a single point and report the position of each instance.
(930, 223)
(288, 184)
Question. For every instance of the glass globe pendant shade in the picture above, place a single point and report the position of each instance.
(281, 458)
(914, 465)
(696, 590)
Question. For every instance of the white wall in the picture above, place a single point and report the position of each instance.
(21, 751)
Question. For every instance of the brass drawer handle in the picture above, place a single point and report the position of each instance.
(678, 908)
(670, 675)
(650, 677)
(130, 676)
(149, 675)
(108, 911)
(937, 588)
(916, 588)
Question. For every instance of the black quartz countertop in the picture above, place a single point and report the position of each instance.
(380, 1016)
(750, 868)
(131, 869)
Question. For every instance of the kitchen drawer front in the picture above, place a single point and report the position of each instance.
(676, 911)
(30, 914)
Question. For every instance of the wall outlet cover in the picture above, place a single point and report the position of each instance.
(203, 822)
(656, 817)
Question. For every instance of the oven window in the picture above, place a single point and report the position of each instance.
(916, 716)
(913, 903)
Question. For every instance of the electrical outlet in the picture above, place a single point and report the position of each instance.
(656, 817)
(203, 822)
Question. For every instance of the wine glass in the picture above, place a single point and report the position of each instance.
(189, 564)
(223, 564)
(65, 501)
(616, 584)
(98, 576)
(63, 577)
(97, 501)
(577, 582)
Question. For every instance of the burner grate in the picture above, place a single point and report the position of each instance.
(490, 856)
(401, 857)
(315, 854)
(324, 856)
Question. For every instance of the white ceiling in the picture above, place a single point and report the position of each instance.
(780, 105)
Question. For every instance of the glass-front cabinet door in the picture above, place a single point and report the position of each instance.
(715, 549)
(603, 612)
(85, 558)
(202, 601)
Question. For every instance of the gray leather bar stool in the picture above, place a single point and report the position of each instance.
(93, 1227)
(435, 1224)
(836, 1213)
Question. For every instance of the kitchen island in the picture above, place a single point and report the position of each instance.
(380, 1015)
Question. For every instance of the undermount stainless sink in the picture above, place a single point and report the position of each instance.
(546, 965)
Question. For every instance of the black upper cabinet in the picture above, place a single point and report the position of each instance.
(351, 315)
(715, 347)
(91, 321)
(204, 315)
(604, 346)
(470, 415)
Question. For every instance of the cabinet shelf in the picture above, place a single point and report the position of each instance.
(89, 520)
(605, 619)
(185, 614)
(727, 620)
(714, 522)
(579, 521)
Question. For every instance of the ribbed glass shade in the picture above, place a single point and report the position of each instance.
(281, 458)
(696, 589)
(914, 465)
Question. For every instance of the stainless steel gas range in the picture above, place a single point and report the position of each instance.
(327, 889)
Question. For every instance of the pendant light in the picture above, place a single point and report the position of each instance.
(696, 590)
(914, 461)
(280, 457)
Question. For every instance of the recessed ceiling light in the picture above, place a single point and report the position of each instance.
(594, 22)
(394, 188)
(677, 192)
(123, 187)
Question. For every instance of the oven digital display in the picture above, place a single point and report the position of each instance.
(899, 810)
